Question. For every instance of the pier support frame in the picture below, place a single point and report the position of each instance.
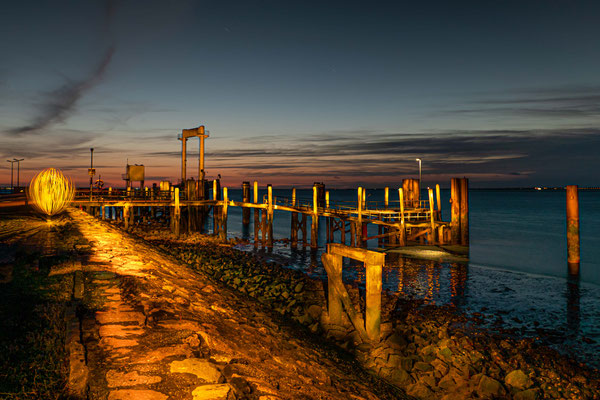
(338, 297)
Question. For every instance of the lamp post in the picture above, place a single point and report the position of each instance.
(419, 160)
(11, 174)
(18, 161)
(91, 172)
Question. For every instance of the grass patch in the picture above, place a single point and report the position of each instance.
(33, 358)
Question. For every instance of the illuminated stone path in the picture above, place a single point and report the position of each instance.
(160, 331)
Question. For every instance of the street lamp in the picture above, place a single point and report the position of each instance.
(11, 174)
(419, 160)
(18, 161)
(91, 172)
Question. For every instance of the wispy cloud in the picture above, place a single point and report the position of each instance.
(62, 102)
(560, 102)
(383, 156)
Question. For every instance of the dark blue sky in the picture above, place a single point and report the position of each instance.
(506, 93)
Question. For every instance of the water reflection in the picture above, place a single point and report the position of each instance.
(432, 281)
(458, 283)
(573, 312)
(246, 231)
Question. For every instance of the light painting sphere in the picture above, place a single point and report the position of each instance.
(50, 192)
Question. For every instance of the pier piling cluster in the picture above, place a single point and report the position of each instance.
(403, 222)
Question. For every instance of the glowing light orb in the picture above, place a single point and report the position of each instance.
(50, 192)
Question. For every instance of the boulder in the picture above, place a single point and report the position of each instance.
(489, 387)
(529, 394)
(203, 369)
(518, 379)
(420, 391)
(211, 392)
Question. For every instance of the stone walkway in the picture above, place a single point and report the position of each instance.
(160, 331)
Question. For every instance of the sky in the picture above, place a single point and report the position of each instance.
(294, 92)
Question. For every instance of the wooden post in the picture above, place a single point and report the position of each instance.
(464, 211)
(223, 227)
(263, 227)
(417, 192)
(402, 238)
(387, 197)
(358, 228)
(431, 217)
(126, 216)
(573, 257)
(314, 228)
(246, 199)
(304, 223)
(294, 230)
(364, 199)
(257, 223)
(438, 196)
(455, 211)
(270, 216)
(334, 275)
(374, 266)
(177, 213)
(294, 223)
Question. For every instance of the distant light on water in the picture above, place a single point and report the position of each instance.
(50, 192)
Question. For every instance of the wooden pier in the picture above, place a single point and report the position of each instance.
(403, 219)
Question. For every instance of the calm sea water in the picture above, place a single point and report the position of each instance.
(517, 273)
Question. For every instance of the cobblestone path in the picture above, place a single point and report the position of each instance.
(160, 331)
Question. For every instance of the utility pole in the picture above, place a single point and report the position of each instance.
(18, 161)
(419, 160)
(91, 172)
(12, 189)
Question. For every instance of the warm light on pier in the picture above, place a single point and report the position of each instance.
(50, 192)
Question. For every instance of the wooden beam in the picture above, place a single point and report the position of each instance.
(431, 216)
(270, 216)
(464, 211)
(455, 211)
(363, 255)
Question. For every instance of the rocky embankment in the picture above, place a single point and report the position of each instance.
(428, 352)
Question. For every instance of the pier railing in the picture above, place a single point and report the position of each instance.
(400, 222)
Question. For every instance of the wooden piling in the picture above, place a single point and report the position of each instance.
(270, 216)
(358, 225)
(176, 213)
(126, 216)
(411, 190)
(304, 229)
(438, 196)
(455, 211)
(464, 211)
(402, 236)
(374, 267)
(386, 197)
(314, 228)
(246, 199)
(573, 256)
(257, 223)
(294, 230)
(216, 211)
(223, 224)
(431, 216)
(334, 275)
